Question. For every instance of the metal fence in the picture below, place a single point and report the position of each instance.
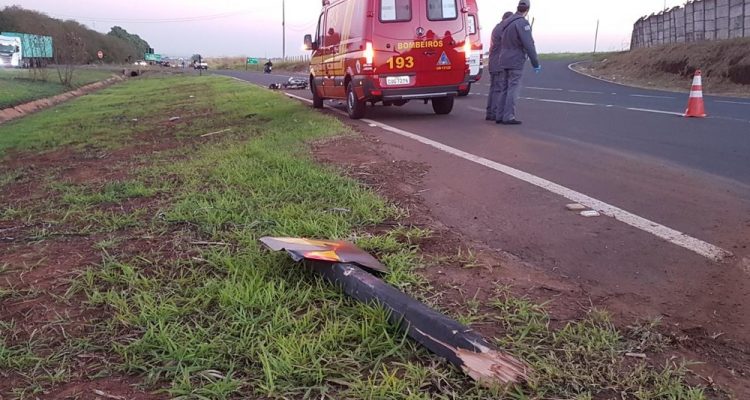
(697, 20)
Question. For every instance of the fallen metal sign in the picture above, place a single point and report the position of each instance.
(325, 250)
(442, 335)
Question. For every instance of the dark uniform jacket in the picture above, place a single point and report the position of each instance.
(495, 48)
(516, 44)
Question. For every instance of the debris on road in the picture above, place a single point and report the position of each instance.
(293, 83)
(590, 214)
(443, 336)
(745, 265)
(576, 207)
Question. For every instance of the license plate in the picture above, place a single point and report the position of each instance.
(474, 61)
(397, 80)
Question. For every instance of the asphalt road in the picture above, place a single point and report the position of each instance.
(625, 147)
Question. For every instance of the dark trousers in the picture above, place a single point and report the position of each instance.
(505, 91)
(492, 98)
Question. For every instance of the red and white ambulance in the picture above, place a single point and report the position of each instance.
(390, 52)
(476, 58)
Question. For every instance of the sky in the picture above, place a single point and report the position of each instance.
(253, 28)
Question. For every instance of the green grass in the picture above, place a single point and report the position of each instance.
(111, 118)
(236, 321)
(112, 192)
(20, 86)
(586, 358)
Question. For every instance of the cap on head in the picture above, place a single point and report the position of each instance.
(524, 6)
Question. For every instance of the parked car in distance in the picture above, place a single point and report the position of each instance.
(141, 63)
(200, 65)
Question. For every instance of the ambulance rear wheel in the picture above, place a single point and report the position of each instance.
(442, 105)
(317, 100)
(354, 107)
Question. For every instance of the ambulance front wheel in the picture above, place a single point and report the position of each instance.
(354, 106)
(443, 105)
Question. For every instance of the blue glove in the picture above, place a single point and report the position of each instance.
(538, 69)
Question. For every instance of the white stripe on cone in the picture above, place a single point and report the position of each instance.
(696, 94)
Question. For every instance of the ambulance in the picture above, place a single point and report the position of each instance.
(390, 52)
(476, 59)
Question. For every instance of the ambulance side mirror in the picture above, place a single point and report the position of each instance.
(309, 44)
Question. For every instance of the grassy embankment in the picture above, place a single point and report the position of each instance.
(180, 296)
(725, 65)
(18, 87)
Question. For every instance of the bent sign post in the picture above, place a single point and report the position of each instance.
(342, 264)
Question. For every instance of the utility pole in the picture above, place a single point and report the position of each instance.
(596, 36)
(283, 28)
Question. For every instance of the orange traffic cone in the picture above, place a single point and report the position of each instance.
(696, 107)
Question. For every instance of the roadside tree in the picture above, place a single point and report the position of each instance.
(70, 52)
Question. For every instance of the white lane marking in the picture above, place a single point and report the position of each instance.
(670, 235)
(656, 111)
(541, 88)
(577, 103)
(732, 102)
(652, 97)
(477, 109)
(585, 91)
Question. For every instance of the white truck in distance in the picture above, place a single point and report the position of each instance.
(10, 52)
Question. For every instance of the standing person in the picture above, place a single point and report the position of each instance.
(495, 69)
(517, 44)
